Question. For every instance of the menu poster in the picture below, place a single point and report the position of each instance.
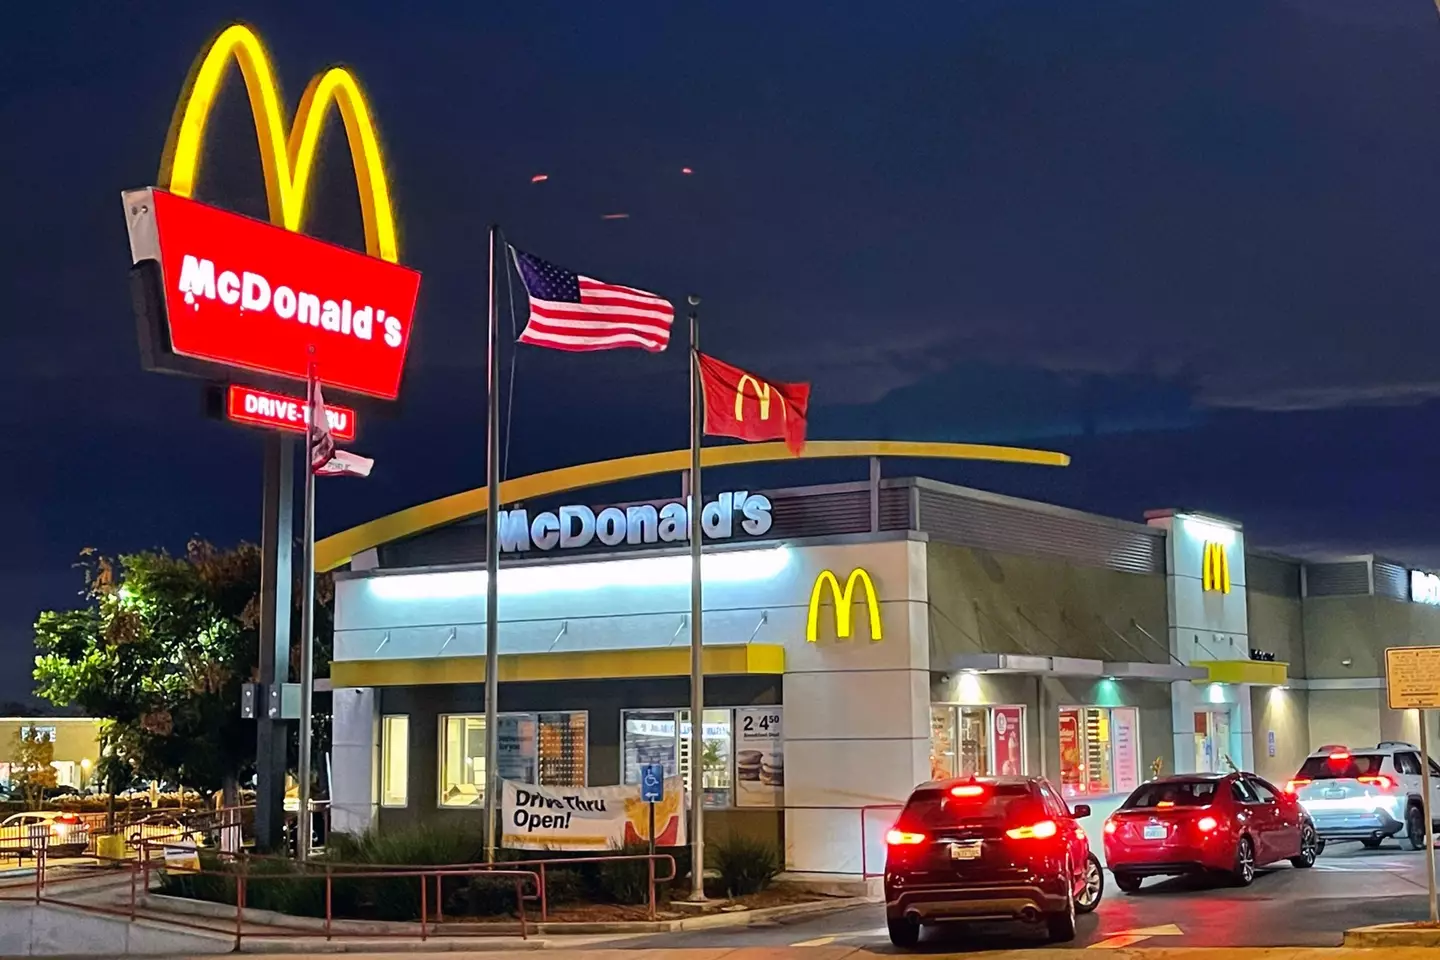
(759, 757)
(516, 745)
(1070, 763)
(1127, 765)
(1009, 745)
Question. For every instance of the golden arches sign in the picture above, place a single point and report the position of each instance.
(844, 598)
(1215, 568)
(337, 550)
(288, 157)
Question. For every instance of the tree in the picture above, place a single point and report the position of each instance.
(32, 769)
(161, 648)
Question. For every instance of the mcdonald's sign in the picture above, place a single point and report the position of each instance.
(762, 398)
(844, 600)
(217, 290)
(1215, 568)
(776, 412)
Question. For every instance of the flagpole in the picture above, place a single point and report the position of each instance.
(697, 664)
(492, 564)
(307, 624)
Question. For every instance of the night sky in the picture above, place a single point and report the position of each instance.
(1192, 244)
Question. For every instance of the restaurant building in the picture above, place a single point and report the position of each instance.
(859, 639)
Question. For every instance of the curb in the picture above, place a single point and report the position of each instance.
(1393, 935)
(711, 921)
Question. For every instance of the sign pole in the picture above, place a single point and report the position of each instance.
(492, 563)
(277, 542)
(307, 625)
(697, 663)
(1425, 805)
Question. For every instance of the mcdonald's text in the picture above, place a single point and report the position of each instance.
(245, 294)
(261, 408)
(573, 527)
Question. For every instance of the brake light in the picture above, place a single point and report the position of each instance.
(1035, 831)
(1206, 824)
(1295, 785)
(1110, 826)
(1340, 756)
(1380, 781)
(1165, 803)
(967, 790)
(903, 838)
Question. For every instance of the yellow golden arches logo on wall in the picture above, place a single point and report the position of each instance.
(844, 599)
(288, 158)
(1215, 569)
(762, 396)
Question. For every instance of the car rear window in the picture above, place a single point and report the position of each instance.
(1174, 793)
(935, 807)
(1352, 766)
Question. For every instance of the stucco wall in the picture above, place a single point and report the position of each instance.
(1340, 628)
(1277, 625)
(1286, 713)
(1002, 603)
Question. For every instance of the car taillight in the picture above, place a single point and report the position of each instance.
(967, 790)
(1340, 756)
(1380, 781)
(1110, 826)
(1206, 824)
(904, 838)
(1034, 831)
(1295, 785)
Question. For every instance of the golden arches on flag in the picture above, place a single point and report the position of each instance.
(287, 157)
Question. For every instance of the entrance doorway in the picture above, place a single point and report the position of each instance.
(1212, 740)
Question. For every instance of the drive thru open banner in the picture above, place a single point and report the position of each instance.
(588, 818)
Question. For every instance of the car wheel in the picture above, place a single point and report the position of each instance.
(1319, 846)
(1128, 882)
(1094, 886)
(904, 933)
(1309, 848)
(1244, 872)
(1415, 826)
(1373, 843)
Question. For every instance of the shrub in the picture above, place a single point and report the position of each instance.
(745, 865)
(624, 881)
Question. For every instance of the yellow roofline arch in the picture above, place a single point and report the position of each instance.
(287, 159)
(337, 550)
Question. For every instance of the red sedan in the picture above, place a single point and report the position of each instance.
(1204, 823)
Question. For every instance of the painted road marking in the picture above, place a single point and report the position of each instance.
(817, 942)
(1127, 938)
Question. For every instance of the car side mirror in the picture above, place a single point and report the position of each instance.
(1080, 811)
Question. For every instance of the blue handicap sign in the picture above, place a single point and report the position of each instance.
(652, 782)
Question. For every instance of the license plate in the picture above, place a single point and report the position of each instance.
(965, 851)
(1155, 831)
(1335, 794)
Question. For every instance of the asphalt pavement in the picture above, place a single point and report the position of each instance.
(1349, 886)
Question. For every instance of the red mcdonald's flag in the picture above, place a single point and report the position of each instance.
(741, 405)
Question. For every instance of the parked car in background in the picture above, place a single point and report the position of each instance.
(163, 826)
(1369, 795)
(62, 834)
(989, 848)
(1227, 824)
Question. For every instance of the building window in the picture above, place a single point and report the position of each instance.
(394, 760)
(1099, 750)
(462, 761)
(979, 741)
(546, 748)
(663, 737)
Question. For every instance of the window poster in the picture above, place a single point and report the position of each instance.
(1071, 766)
(1123, 721)
(1009, 741)
(759, 757)
(515, 759)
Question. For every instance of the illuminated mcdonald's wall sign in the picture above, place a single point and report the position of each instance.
(844, 600)
(219, 290)
(1215, 568)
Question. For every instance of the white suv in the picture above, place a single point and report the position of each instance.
(1368, 795)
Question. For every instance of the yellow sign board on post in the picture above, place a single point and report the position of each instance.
(1412, 677)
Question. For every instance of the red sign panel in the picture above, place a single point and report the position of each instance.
(263, 409)
(244, 293)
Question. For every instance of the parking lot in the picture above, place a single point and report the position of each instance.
(1349, 886)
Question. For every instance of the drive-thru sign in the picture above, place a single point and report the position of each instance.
(1412, 681)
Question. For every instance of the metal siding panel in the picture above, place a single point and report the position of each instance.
(1391, 580)
(1345, 579)
(1014, 529)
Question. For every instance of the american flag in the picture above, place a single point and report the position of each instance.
(571, 312)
